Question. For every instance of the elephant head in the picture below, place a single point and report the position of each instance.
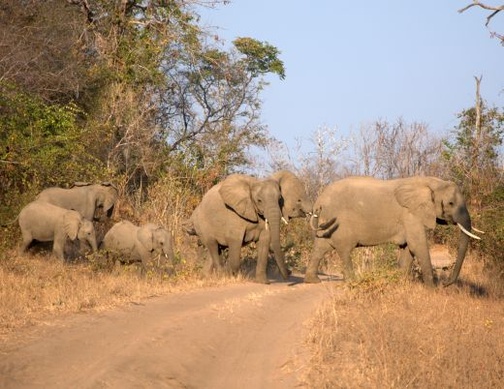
(76, 227)
(435, 199)
(254, 199)
(156, 239)
(295, 201)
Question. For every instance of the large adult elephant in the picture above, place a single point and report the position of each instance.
(84, 198)
(139, 243)
(363, 211)
(239, 210)
(45, 222)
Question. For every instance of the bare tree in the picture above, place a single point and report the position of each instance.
(495, 10)
(323, 163)
(395, 150)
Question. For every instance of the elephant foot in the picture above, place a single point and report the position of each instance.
(311, 279)
(430, 282)
(262, 279)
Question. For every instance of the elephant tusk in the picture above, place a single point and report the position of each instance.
(478, 231)
(467, 232)
(284, 220)
(266, 222)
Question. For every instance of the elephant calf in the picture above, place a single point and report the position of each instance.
(45, 222)
(135, 244)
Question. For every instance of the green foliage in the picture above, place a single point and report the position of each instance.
(261, 57)
(472, 155)
(40, 145)
(492, 222)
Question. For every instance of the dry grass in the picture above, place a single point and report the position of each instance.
(36, 287)
(397, 334)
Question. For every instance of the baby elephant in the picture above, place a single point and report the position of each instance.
(45, 222)
(136, 244)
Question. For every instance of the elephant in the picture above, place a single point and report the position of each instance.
(364, 211)
(243, 209)
(139, 243)
(84, 198)
(45, 222)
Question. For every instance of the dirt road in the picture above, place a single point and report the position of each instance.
(242, 336)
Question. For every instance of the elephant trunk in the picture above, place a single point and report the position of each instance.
(92, 243)
(462, 218)
(273, 217)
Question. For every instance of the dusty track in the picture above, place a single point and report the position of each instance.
(237, 336)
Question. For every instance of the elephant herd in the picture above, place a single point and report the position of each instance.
(349, 213)
(59, 214)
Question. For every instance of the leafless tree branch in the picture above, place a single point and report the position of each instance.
(475, 3)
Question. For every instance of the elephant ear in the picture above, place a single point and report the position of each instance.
(71, 224)
(236, 194)
(419, 199)
(146, 237)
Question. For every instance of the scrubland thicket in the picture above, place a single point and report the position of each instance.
(139, 94)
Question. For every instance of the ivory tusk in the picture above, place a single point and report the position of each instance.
(266, 223)
(478, 231)
(467, 232)
(284, 220)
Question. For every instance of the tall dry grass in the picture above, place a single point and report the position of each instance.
(397, 334)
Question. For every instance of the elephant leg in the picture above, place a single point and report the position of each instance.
(58, 249)
(213, 259)
(405, 260)
(420, 249)
(320, 248)
(234, 252)
(261, 275)
(25, 244)
(345, 255)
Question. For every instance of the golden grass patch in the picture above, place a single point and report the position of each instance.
(404, 335)
(35, 287)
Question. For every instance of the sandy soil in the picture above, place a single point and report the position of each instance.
(242, 336)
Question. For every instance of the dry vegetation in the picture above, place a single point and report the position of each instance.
(37, 288)
(394, 334)
(380, 331)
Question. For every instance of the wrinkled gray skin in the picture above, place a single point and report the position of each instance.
(46, 222)
(137, 244)
(363, 211)
(84, 198)
(295, 202)
(234, 213)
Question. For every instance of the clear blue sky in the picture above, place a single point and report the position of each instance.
(350, 63)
